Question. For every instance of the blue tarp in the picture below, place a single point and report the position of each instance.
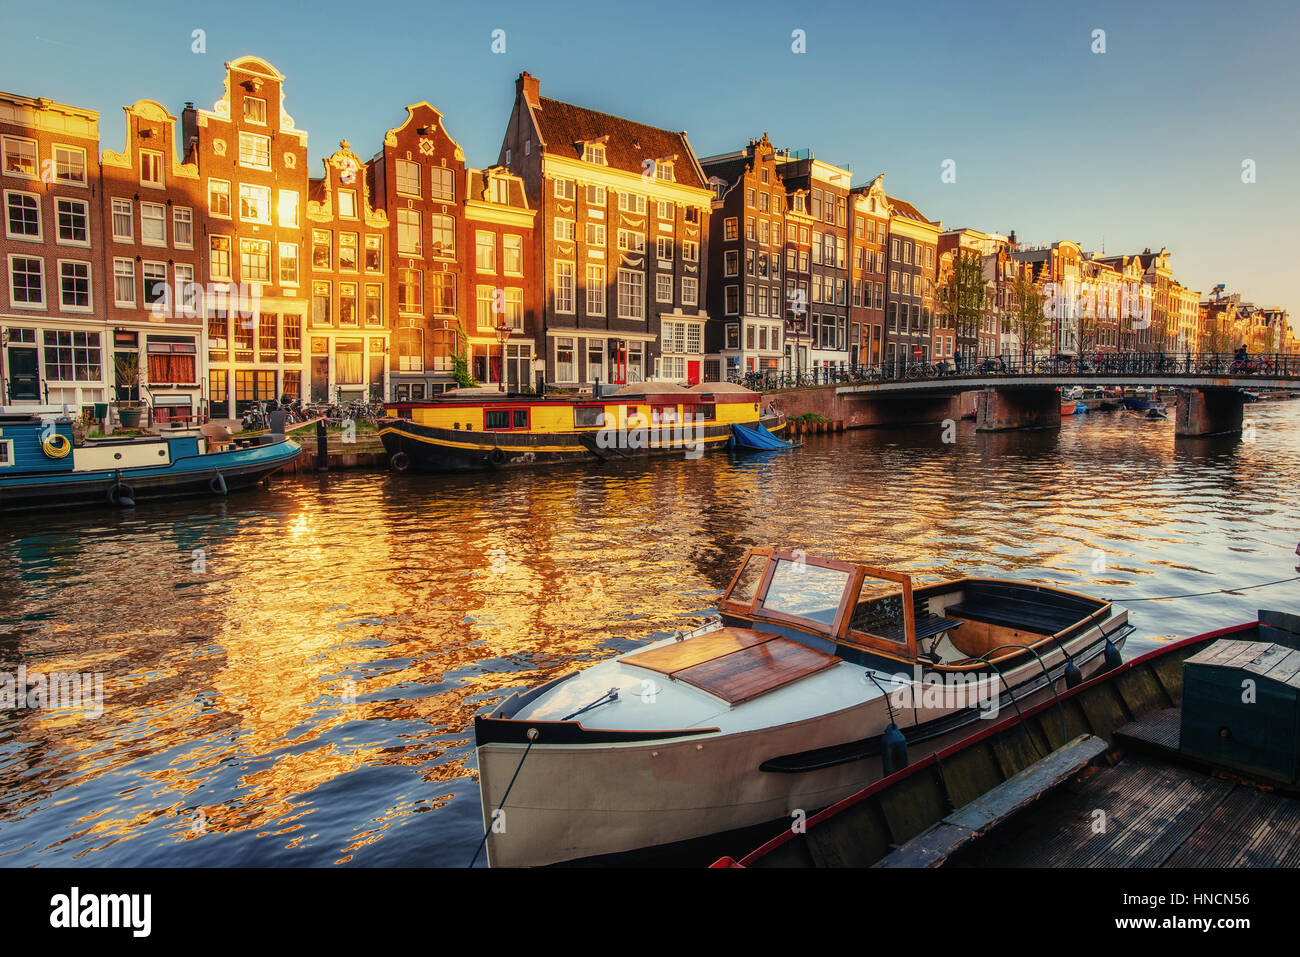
(756, 439)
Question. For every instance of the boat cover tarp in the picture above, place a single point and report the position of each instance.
(758, 438)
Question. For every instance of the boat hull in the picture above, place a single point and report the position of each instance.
(214, 474)
(414, 447)
(572, 802)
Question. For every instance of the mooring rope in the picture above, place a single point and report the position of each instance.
(532, 737)
(1201, 594)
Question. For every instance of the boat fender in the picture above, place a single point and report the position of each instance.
(399, 461)
(1111, 655)
(893, 754)
(497, 456)
(1073, 676)
(217, 484)
(56, 446)
(121, 495)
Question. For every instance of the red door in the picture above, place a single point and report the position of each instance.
(693, 372)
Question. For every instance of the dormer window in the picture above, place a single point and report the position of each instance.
(664, 170)
(594, 153)
(498, 190)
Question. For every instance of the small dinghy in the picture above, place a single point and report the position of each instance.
(756, 438)
(818, 677)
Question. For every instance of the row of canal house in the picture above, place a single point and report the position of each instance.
(205, 266)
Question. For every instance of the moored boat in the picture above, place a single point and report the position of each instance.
(41, 465)
(1166, 748)
(486, 429)
(1068, 406)
(814, 680)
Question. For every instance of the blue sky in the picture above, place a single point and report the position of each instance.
(1139, 146)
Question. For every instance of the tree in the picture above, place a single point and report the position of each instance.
(962, 297)
(1026, 314)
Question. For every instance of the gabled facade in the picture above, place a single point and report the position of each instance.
(909, 297)
(347, 325)
(253, 162)
(747, 251)
(54, 350)
(622, 221)
(419, 178)
(153, 264)
(868, 271)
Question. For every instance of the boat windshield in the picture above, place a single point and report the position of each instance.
(879, 610)
(747, 582)
(807, 591)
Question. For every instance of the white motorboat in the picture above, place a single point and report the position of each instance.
(817, 677)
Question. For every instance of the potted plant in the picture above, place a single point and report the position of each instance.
(129, 409)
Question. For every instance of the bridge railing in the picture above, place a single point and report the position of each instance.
(1120, 365)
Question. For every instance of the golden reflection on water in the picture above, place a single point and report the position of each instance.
(291, 676)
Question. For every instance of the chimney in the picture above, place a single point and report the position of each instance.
(529, 87)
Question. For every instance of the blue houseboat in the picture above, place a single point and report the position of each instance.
(41, 466)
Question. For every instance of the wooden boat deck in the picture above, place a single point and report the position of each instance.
(735, 664)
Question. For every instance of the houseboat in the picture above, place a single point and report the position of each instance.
(818, 677)
(485, 429)
(42, 465)
(1189, 771)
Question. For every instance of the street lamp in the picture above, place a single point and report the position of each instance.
(503, 334)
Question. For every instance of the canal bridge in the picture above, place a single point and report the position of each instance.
(1024, 394)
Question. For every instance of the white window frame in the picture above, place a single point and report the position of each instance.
(258, 199)
(159, 216)
(636, 283)
(63, 180)
(568, 305)
(85, 214)
(120, 273)
(40, 219)
(253, 140)
(229, 208)
(90, 286)
(8, 138)
(155, 157)
(186, 220)
(44, 293)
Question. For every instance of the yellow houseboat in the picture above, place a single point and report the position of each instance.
(485, 429)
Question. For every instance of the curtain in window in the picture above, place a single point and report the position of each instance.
(164, 368)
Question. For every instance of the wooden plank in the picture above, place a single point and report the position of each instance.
(933, 846)
(694, 651)
(756, 670)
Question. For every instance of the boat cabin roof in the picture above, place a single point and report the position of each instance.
(841, 601)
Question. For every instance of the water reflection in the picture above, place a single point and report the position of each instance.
(290, 676)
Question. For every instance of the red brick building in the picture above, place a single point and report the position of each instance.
(53, 345)
(153, 263)
(622, 232)
(909, 295)
(253, 162)
(868, 271)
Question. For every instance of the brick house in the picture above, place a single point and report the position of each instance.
(253, 162)
(419, 178)
(868, 271)
(53, 350)
(622, 232)
(747, 250)
(153, 263)
(909, 296)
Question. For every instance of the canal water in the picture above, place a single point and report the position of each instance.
(290, 676)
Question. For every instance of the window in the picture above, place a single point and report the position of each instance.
(124, 282)
(186, 294)
(664, 249)
(374, 253)
(348, 203)
(154, 281)
(255, 110)
(347, 304)
(596, 237)
(408, 232)
(485, 249)
(288, 264)
(595, 290)
(564, 289)
(663, 288)
(566, 370)
(690, 291)
(374, 304)
(321, 244)
(72, 356)
(665, 211)
(594, 153)
(255, 260)
(320, 303)
(288, 209)
(218, 198)
(123, 225)
(408, 178)
(631, 294)
(153, 224)
(151, 173)
(443, 186)
(631, 241)
(183, 227)
(70, 165)
(596, 196)
(512, 255)
(254, 203)
(631, 203)
(729, 227)
(19, 156)
(732, 300)
(74, 285)
(485, 303)
(564, 230)
(442, 292)
(410, 350)
(410, 291)
(444, 236)
(26, 282)
(348, 252)
(22, 216)
(254, 151)
(564, 189)
(664, 170)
